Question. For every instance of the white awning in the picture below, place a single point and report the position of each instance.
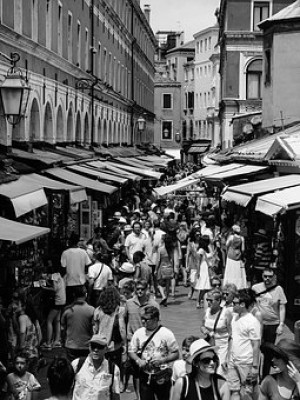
(68, 176)
(238, 198)
(16, 232)
(162, 190)
(77, 193)
(279, 202)
(137, 170)
(242, 194)
(24, 196)
(215, 169)
(242, 170)
(102, 176)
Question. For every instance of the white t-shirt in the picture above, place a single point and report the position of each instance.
(160, 346)
(100, 281)
(75, 260)
(179, 369)
(269, 303)
(244, 330)
(135, 243)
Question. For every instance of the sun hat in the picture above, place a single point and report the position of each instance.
(99, 339)
(261, 233)
(198, 347)
(137, 211)
(127, 228)
(122, 220)
(286, 349)
(117, 215)
(127, 268)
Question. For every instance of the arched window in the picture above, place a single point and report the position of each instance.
(254, 80)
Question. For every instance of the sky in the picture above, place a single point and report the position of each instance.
(190, 16)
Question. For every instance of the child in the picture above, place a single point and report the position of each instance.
(142, 269)
(21, 384)
(179, 366)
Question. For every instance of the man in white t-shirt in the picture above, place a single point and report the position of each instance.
(76, 261)
(135, 241)
(243, 351)
(156, 356)
(100, 276)
(271, 302)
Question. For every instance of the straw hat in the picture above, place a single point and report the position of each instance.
(198, 347)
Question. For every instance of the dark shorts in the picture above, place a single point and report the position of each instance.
(58, 307)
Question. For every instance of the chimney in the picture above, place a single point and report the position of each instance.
(147, 11)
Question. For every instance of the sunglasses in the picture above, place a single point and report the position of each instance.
(268, 276)
(95, 346)
(226, 293)
(146, 318)
(208, 360)
(236, 302)
(140, 289)
(216, 285)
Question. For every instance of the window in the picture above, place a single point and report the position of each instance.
(70, 36)
(105, 64)
(167, 100)
(49, 24)
(18, 16)
(198, 47)
(254, 78)
(209, 43)
(59, 30)
(267, 65)
(261, 11)
(78, 55)
(86, 49)
(166, 130)
(99, 61)
(201, 46)
(34, 20)
(205, 44)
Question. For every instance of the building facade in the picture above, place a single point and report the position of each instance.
(281, 37)
(206, 80)
(241, 54)
(108, 44)
(170, 88)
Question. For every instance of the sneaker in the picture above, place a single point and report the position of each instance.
(46, 346)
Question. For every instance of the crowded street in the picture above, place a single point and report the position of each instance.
(149, 200)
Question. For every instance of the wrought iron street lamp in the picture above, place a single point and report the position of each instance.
(88, 83)
(14, 91)
(141, 123)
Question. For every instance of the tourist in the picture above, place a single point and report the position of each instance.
(95, 376)
(22, 384)
(60, 377)
(153, 347)
(284, 383)
(235, 268)
(76, 323)
(201, 381)
(271, 302)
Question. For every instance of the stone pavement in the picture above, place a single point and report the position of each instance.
(181, 316)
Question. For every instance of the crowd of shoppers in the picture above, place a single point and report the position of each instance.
(105, 304)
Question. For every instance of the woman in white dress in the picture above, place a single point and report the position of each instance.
(235, 268)
(203, 280)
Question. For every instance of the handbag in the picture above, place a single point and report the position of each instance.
(211, 339)
(166, 271)
(162, 376)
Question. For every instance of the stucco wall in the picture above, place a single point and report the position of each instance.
(283, 95)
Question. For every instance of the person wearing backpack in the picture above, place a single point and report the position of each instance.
(201, 381)
(95, 376)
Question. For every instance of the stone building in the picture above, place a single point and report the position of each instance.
(241, 53)
(109, 44)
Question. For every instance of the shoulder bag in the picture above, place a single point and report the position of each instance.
(211, 339)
